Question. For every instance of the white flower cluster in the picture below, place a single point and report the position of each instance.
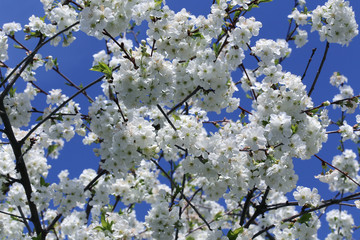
(29, 73)
(347, 132)
(66, 194)
(70, 117)
(301, 38)
(182, 62)
(305, 195)
(299, 17)
(11, 28)
(161, 221)
(182, 55)
(18, 106)
(338, 181)
(112, 15)
(278, 124)
(269, 50)
(123, 144)
(245, 29)
(241, 3)
(3, 47)
(300, 20)
(10, 227)
(337, 79)
(60, 16)
(341, 224)
(346, 92)
(279, 111)
(335, 22)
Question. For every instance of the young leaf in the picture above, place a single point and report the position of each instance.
(52, 148)
(43, 183)
(176, 117)
(294, 128)
(39, 119)
(232, 235)
(157, 3)
(305, 218)
(18, 46)
(12, 92)
(104, 68)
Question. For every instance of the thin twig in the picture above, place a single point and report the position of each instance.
(13, 215)
(308, 64)
(24, 219)
(252, 90)
(182, 102)
(56, 69)
(326, 204)
(167, 118)
(244, 110)
(319, 70)
(60, 107)
(121, 45)
(27, 61)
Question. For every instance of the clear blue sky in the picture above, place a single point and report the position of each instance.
(75, 61)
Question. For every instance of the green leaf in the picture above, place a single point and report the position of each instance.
(52, 148)
(272, 159)
(305, 218)
(237, 14)
(232, 235)
(176, 117)
(43, 183)
(35, 34)
(55, 62)
(104, 68)
(314, 110)
(252, 6)
(305, 11)
(12, 92)
(197, 35)
(157, 3)
(18, 46)
(190, 238)
(216, 48)
(39, 119)
(218, 216)
(103, 220)
(59, 117)
(105, 225)
(294, 128)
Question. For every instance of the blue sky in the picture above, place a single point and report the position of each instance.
(75, 61)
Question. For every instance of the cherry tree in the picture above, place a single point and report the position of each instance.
(149, 125)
